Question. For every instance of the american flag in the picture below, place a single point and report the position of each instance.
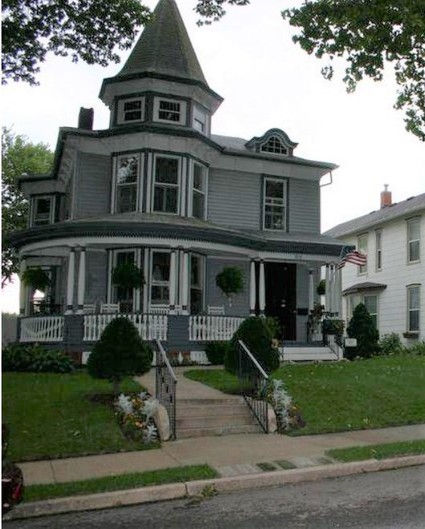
(352, 256)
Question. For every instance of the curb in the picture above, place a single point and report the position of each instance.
(196, 488)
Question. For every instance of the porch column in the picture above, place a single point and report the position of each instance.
(331, 289)
(81, 281)
(262, 289)
(338, 292)
(310, 290)
(185, 284)
(327, 291)
(70, 282)
(173, 282)
(22, 289)
(252, 289)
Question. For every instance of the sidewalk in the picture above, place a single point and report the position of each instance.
(235, 458)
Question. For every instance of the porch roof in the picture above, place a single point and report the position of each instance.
(362, 287)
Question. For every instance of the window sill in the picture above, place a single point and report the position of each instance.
(411, 334)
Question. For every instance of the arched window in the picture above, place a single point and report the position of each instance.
(275, 146)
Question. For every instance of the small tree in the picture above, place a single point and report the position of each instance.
(37, 278)
(127, 276)
(119, 353)
(230, 281)
(362, 327)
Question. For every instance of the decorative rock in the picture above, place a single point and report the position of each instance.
(271, 419)
(162, 422)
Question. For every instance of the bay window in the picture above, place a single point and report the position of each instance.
(127, 175)
(166, 185)
(160, 278)
(199, 191)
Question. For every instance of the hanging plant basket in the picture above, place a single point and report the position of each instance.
(321, 287)
(230, 281)
(128, 275)
(37, 278)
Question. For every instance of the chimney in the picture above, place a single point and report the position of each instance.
(386, 199)
(85, 118)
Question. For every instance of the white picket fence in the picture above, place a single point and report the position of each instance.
(212, 328)
(150, 326)
(42, 329)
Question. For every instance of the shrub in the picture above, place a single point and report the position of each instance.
(230, 281)
(390, 344)
(215, 352)
(362, 327)
(256, 336)
(416, 349)
(119, 353)
(274, 327)
(321, 287)
(35, 359)
(128, 275)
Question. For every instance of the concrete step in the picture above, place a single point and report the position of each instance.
(184, 433)
(308, 353)
(218, 421)
(212, 410)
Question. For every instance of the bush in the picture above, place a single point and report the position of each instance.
(35, 359)
(416, 349)
(257, 337)
(390, 344)
(362, 328)
(119, 353)
(215, 352)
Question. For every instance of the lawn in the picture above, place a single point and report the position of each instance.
(332, 397)
(50, 415)
(381, 451)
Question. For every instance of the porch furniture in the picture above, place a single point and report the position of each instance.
(109, 308)
(215, 310)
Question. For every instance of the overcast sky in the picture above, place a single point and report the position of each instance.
(266, 81)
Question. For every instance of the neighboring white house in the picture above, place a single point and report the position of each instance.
(392, 284)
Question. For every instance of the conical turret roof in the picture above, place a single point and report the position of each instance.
(164, 47)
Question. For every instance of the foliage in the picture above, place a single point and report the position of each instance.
(19, 156)
(230, 280)
(380, 451)
(216, 351)
(370, 35)
(37, 278)
(417, 349)
(335, 327)
(390, 344)
(60, 415)
(212, 10)
(274, 327)
(135, 417)
(321, 287)
(362, 327)
(35, 359)
(119, 353)
(87, 30)
(256, 336)
(287, 414)
(11, 475)
(128, 275)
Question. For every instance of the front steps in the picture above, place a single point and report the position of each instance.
(204, 417)
(308, 352)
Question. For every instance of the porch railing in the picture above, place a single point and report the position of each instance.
(165, 386)
(253, 382)
(42, 329)
(212, 328)
(150, 326)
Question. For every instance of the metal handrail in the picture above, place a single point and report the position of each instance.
(165, 386)
(253, 387)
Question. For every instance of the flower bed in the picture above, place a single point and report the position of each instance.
(135, 417)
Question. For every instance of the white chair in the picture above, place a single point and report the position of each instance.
(109, 308)
(217, 310)
(89, 308)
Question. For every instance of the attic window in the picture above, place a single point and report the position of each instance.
(170, 111)
(274, 145)
(131, 110)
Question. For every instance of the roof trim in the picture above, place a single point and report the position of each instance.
(363, 287)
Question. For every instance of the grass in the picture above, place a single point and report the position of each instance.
(333, 397)
(121, 482)
(50, 415)
(381, 451)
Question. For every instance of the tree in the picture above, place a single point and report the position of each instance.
(362, 327)
(119, 353)
(370, 34)
(18, 156)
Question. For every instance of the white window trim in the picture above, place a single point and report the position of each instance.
(409, 240)
(156, 109)
(378, 250)
(34, 201)
(179, 185)
(121, 112)
(192, 189)
(114, 199)
(274, 137)
(284, 205)
(152, 283)
(362, 270)
(409, 310)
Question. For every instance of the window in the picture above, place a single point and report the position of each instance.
(413, 240)
(170, 111)
(160, 282)
(43, 211)
(362, 243)
(274, 204)
(413, 308)
(166, 185)
(200, 120)
(131, 110)
(198, 191)
(378, 248)
(275, 146)
(196, 275)
(371, 303)
(126, 184)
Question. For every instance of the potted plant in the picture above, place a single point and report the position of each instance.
(321, 287)
(37, 278)
(230, 281)
(127, 276)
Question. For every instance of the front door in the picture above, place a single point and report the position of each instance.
(281, 297)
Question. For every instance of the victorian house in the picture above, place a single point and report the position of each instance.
(159, 190)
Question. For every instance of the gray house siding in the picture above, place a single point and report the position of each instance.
(93, 186)
(214, 296)
(225, 206)
(304, 206)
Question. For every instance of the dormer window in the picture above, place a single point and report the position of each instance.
(275, 146)
(42, 210)
(170, 111)
(131, 110)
